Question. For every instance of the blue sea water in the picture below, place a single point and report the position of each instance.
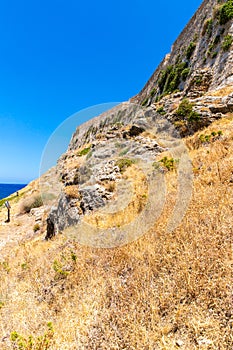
(7, 189)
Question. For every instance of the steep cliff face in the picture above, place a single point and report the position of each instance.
(128, 173)
(200, 59)
(190, 89)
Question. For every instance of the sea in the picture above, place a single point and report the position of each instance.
(7, 189)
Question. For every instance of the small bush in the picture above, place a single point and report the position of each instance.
(208, 27)
(144, 103)
(36, 227)
(227, 41)
(210, 137)
(124, 152)
(31, 202)
(161, 111)
(170, 78)
(225, 12)
(185, 73)
(190, 50)
(214, 54)
(185, 111)
(168, 163)
(153, 92)
(59, 269)
(33, 343)
(124, 163)
(84, 151)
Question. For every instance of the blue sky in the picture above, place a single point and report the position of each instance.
(59, 57)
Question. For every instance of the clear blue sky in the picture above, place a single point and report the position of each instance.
(58, 57)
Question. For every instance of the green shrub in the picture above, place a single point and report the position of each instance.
(208, 27)
(185, 111)
(214, 54)
(225, 12)
(33, 343)
(170, 78)
(60, 271)
(210, 48)
(36, 227)
(185, 73)
(190, 50)
(153, 92)
(161, 111)
(144, 103)
(31, 202)
(168, 163)
(227, 41)
(84, 151)
(210, 137)
(124, 163)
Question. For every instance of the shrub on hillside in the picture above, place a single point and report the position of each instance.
(185, 111)
(227, 41)
(226, 12)
(31, 202)
(190, 50)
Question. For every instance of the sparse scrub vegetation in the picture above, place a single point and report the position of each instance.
(34, 201)
(161, 110)
(225, 12)
(168, 163)
(124, 163)
(153, 92)
(84, 151)
(227, 42)
(124, 152)
(213, 136)
(185, 111)
(190, 50)
(59, 269)
(171, 77)
(208, 27)
(185, 73)
(43, 342)
(36, 227)
(144, 103)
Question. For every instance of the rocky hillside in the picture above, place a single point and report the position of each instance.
(190, 89)
(150, 183)
(200, 59)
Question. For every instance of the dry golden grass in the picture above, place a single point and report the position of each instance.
(162, 290)
(72, 191)
(134, 207)
(226, 90)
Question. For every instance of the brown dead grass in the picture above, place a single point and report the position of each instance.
(162, 290)
(126, 215)
(72, 191)
(226, 90)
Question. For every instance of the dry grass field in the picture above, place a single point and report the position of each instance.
(165, 291)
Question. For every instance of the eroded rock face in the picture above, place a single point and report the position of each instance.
(198, 69)
(91, 178)
(198, 61)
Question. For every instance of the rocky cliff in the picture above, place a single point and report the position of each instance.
(190, 89)
(160, 166)
(200, 59)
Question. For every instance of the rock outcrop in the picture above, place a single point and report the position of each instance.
(191, 88)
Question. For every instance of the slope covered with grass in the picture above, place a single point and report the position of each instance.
(164, 291)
